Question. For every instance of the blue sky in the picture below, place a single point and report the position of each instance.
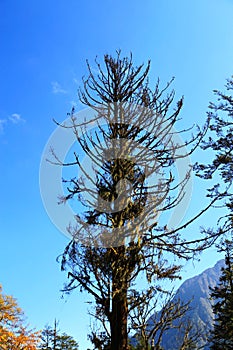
(44, 45)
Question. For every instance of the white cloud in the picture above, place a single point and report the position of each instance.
(57, 89)
(15, 118)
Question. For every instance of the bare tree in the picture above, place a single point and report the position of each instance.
(153, 321)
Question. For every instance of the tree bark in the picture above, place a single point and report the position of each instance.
(119, 309)
(119, 334)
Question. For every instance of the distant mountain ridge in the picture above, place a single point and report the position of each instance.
(196, 289)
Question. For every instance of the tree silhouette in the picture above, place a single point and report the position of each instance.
(222, 295)
(219, 145)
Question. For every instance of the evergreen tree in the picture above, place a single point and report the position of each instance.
(53, 339)
(222, 334)
(219, 145)
(117, 238)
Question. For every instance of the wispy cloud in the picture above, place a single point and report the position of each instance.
(16, 118)
(2, 125)
(76, 81)
(57, 89)
(74, 103)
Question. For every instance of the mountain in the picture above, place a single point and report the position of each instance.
(200, 314)
(196, 289)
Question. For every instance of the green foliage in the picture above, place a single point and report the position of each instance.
(218, 144)
(222, 334)
(52, 339)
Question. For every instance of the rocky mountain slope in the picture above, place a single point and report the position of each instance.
(196, 289)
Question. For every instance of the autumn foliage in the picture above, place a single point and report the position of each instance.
(14, 334)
